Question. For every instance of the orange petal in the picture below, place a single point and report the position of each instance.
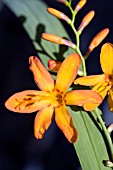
(90, 80)
(65, 123)
(67, 72)
(106, 58)
(28, 101)
(110, 99)
(102, 88)
(42, 121)
(90, 106)
(82, 97)
(42, 77)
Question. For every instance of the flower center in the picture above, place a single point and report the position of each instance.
(59, 98)
(111, 79)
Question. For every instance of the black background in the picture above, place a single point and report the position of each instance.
(19, 150)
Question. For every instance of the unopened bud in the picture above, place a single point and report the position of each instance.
(62, 1)
(53, 38)
(59, 14)
(98, 38)
(54, 65)
(80, 4)
(108, 163)
(86, 20)
(80, 73)
(58, 40)
(110, 128)
(69, 43)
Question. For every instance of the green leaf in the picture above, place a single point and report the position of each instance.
(90, 146)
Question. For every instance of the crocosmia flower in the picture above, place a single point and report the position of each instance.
(51, 101)
(102, 84)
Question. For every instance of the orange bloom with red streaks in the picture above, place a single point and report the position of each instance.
(103, 83)
(51, 101)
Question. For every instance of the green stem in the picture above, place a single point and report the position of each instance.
(97, 111)
(70, 1)
(78, 49)
(105, 131)
(69, 6)
(77, 37)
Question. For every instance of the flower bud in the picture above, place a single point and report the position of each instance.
(54, 65)
(80, 4)
(53, 38)
(110, 128)
(58, 40)
(86, 20)
(98, 38)
(80, 73)
(69, 43)
(108, 163)
(59, 14)
(62, 1)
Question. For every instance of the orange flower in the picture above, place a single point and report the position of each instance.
(52, 100)
(103, 84)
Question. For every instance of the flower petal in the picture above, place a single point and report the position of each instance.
(41, 76)
(67, 72)
(90, 80)
(28, 101)
(82, 97)
(110, 99)
(102, 88)
(42, 121)
(65, 123)
(106, 58)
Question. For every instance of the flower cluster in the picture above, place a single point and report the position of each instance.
(51, 100)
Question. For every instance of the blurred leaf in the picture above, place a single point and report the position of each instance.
(90, 147)
(36, 20)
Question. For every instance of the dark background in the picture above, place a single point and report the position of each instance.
(19, 150)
